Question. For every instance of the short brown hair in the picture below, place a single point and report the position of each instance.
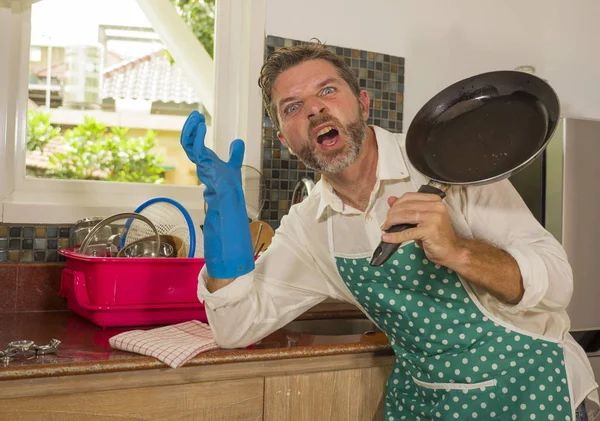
(286, 57)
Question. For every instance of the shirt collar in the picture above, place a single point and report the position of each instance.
(390, 166)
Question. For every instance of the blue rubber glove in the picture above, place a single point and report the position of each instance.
(227, 239)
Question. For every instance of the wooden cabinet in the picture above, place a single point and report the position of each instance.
(235, 400)
(328, 388)
(348, 395)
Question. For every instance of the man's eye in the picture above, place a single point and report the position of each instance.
(291, 108)
(328, 90)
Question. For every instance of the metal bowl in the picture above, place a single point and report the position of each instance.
(146, 248)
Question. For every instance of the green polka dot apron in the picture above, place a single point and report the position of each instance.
(452, 361)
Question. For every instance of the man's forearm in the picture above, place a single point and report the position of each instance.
(491, 268)
(215, 284)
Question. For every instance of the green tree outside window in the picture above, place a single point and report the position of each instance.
(91, 151)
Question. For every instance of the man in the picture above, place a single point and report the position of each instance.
(473, 302)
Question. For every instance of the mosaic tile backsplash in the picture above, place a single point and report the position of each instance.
(33, 243)
(381, 75)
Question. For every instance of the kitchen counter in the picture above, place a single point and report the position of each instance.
(287, 376)
(85, 349)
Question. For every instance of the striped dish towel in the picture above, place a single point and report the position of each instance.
(174, 345)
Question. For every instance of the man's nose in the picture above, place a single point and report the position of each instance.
(315, 107)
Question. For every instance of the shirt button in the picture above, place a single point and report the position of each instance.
(368, 217)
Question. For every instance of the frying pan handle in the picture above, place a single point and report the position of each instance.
(434, 188)
(385, 250)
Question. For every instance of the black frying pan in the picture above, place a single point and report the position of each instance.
(477, 131)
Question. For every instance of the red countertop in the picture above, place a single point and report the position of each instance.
(85, 349)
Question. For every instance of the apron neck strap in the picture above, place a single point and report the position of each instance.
(330, 229)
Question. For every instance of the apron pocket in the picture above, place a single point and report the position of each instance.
(462, 401)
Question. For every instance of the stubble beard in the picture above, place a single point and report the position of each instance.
(335, 161)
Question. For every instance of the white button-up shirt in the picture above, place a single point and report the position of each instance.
(299, 271)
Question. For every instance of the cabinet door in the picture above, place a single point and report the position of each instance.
(347, 395)
(238, 400)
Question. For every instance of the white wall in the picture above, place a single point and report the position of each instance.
(444, 41)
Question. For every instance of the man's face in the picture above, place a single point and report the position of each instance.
(320, 118)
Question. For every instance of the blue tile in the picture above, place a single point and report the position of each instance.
(52, 232)
(28, 232)
(27, 244)
(3, 256)
(14, 244)
(3, 243)
(14, 232)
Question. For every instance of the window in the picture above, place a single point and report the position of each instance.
(104, 78)
(35, 54)
(99, 63)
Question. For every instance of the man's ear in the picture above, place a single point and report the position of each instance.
(365, 101)
(284, 142)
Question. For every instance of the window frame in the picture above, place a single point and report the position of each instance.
(239, 44)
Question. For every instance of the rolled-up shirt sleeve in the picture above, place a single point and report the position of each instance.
(498, 215)
(286, 282)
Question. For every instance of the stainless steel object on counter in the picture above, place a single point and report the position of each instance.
(26, 348)
(47, 349)
(84, 249)
(21, 346)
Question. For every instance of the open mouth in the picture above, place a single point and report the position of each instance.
(327, 136)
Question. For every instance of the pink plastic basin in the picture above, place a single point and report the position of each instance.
(132, 291)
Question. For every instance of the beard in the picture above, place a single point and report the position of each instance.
(335, 161)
